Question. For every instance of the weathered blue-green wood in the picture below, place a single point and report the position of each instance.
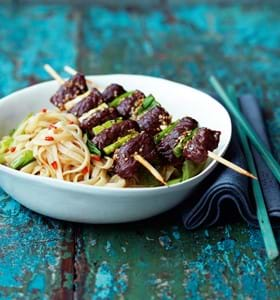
(35, 252)
(187, 43)
(154, 259)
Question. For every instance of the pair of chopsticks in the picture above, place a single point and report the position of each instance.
(246, 132)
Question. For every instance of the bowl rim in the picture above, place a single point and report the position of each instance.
(89, 188)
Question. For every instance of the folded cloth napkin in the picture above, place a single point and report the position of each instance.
(270, 187)
(225, 193)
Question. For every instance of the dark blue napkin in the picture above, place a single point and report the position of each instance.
(270, 187)
(225, 195)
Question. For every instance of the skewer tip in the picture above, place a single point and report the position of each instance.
(47, 67)
(231, 165)
(70, 70)
(252, 176)
(51, 71)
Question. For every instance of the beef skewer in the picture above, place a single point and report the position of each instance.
(147, 121)
(102, 140)
(88, 107)
(110, 92)
(185, 141)
(74, 96)
(135, 105)
(139, 149)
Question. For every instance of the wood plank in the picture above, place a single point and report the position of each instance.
(158, 258)
(153, 259)
(36, 253)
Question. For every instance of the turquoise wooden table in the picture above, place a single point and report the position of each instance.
(42, 258)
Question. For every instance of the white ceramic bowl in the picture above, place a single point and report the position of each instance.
(89, 204)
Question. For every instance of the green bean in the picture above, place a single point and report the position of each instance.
(161, 135)
(121, 141)
(99, 128)
(117, 101)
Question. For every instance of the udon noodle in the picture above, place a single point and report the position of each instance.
(59, 151)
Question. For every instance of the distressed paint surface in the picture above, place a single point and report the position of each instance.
(35, 252)
(185, 43)
(154, 259)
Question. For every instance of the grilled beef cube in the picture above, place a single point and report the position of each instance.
(99, 118)
(69, 90)
(110, 135)
(205, 140)
(167, 144)
(91, 101)
(152, 120)
(112, 91)
(125, 165)
(127, 106)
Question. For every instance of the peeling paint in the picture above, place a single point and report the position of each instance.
(107, 285)
(31, 245)
(165, 242)
(239, 44)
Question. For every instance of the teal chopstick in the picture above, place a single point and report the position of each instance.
(243, 123)
(263, 218)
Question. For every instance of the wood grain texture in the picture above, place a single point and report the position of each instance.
(154, 259)
(36, 253)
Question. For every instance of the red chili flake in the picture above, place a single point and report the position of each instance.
(70, 122)
(52, 127)
(96, 157)
(49, 138)
(44, 110)
(54, 165)
(85, 170)
(13, 149)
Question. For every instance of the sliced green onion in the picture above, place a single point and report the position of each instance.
(120, 141)
(178, 149)
(117, 101)
(22, 159)
(161, 135)
(5, 143)
(148, 103)
(145, 104)
(93, 148)
(99, 128)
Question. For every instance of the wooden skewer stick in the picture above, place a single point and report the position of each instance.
(53, 74)
(73, 72)
(230, 165)
(137, 157)
(70, 70)
(150, 168)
